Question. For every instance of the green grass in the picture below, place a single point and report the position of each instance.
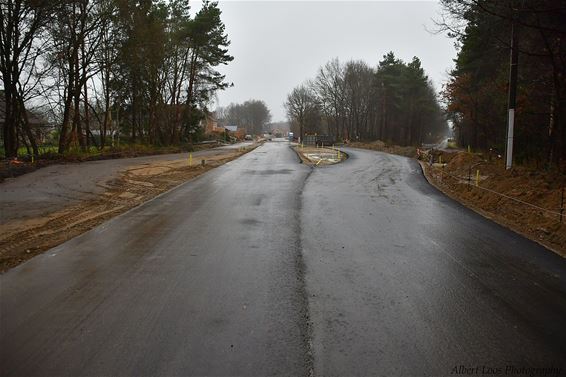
(50, 152)
(23, 152)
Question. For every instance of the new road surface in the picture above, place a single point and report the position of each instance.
(265, 266)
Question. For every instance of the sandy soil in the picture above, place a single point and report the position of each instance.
(319, 156)
(523, 200)
(22, 238)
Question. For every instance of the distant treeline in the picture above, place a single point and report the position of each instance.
(144, 68)
(477, 94)
(395, 102)
(252, 115)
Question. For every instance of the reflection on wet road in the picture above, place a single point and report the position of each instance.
(265, 266)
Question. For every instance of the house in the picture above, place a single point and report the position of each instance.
(210, 124)
(39, 126)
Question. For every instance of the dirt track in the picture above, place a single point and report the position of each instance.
(47, 220)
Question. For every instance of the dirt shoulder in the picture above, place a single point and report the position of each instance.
(526, 201)
(22, 238)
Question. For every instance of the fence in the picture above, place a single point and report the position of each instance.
(467, 180)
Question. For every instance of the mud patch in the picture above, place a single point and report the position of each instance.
(250, 222)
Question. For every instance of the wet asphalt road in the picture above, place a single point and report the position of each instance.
(264, 266)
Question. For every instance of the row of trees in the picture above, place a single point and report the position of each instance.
(252, 115)
(477, 93)
(395, 102)
(146, 67)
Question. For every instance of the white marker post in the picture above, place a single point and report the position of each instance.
(510, 126)
(512, 95)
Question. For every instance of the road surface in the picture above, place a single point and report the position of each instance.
(55, 186)
(264, 266)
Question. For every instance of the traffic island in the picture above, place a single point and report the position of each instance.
(319, 156)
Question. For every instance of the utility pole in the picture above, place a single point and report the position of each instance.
(512, 94)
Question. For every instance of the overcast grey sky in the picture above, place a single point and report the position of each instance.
(278, 45)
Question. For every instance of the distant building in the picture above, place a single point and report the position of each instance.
(39, 126)
(210, 124)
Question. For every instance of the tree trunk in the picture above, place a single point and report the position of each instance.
(77, 126)
(65, 126)
(107, 115)
(134, 109)
(27, 129)
(10, 123)
(86, 118)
